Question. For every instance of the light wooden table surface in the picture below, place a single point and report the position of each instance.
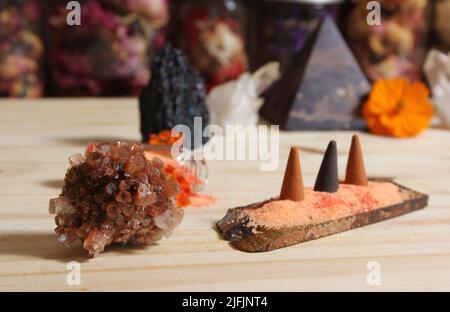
(36, 137)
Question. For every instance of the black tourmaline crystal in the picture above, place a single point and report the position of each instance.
(174, 95)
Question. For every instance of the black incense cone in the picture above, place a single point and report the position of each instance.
(327, 179)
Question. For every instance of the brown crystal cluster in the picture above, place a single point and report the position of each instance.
(115, 195)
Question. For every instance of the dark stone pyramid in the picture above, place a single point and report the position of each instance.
(322, 88)
(174, 96)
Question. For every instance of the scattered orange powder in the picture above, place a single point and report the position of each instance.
(318, 207)
(198, 200)
(186, 181)
(163, 138)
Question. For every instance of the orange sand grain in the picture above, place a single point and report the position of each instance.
(199, 200)
(186, 179)
(318, 207)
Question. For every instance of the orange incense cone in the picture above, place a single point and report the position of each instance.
(356, 172)
(292, 188)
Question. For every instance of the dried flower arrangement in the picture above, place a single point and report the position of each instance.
(120, 34)
(21, 49)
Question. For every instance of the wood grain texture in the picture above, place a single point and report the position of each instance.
(36, 137)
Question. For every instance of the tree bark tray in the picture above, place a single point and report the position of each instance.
(250, 239)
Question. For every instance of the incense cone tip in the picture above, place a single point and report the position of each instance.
(356, 171)
(292, 188)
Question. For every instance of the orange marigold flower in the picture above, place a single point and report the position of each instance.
(398, 108)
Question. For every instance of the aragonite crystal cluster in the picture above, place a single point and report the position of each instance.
(115, 195)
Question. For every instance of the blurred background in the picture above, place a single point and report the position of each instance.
(110, 53)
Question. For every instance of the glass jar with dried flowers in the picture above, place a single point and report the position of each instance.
(21, 49)
(279, 28)
(108, 54)
(212, 34)
(441, 25)
(395, 47)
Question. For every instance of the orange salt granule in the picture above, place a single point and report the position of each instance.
(187, 182)
(319, 207)
(164, 138)
(185, 178)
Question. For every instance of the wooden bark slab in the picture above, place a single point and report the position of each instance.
(250, 239)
